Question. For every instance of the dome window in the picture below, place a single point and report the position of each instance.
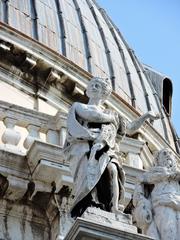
(167, 95)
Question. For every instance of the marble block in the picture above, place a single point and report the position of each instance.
(96, 224)
(120, 221)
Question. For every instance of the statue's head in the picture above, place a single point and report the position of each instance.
(166, 158)
(99, 88)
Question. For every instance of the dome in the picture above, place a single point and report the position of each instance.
(82, 32)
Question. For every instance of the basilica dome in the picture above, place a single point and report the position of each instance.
(82, 33)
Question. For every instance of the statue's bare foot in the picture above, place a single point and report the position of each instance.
(97, 205)
(118, 210)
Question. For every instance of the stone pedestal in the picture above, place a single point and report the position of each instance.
(96, 224)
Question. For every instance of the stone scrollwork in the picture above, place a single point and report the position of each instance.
(92, 148)
(157, 198)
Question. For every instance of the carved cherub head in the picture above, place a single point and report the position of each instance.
(166, 158)
(99, 88)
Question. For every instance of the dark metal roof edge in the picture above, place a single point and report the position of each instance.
(107, 50)
(157, 100)
(131, 89)
(139, 72)
(85, 36)
(34, 20)
(5, 8)
(62, 27)
(161, 75)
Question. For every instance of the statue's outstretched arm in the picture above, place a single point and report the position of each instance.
(92, 115)
(154, 175)
(136, 124)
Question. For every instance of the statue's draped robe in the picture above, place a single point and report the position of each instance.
(77, 151)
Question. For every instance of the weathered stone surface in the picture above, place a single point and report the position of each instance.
(120, 221)
(84, 229)
(47, 164)
(22, 222)
(41, 150)
(157, 198)
(13, 163)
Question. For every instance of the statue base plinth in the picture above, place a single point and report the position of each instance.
(98, 224)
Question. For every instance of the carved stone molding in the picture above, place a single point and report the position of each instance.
(47, 164)
(131, 145)
(12, 163)
(17, 187)
(43, 151)
(12, 188)
(84, 229)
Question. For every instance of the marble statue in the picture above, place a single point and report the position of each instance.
(157, 198)
(91, 148)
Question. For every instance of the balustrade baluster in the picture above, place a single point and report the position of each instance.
(62, 136)
(33, 134)
(10, 136)
(52, 137)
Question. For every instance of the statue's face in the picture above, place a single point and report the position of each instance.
(95, 90)
(166, 159)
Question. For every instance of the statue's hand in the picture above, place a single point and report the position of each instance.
(157, 174)
(148, 216)
(98, 146)
(93, 135)
(153, 116)
(134, 126)
(171, 200)
(175, 175)
(163, 171)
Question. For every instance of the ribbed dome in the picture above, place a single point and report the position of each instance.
(82, 32)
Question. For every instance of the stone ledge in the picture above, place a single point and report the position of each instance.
(131, 145)
(48, 172)
(12, 163)
(84, 229)
(47, 164)
(119, 221)
(41, 150)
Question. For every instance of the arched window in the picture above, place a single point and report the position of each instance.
(167, 95)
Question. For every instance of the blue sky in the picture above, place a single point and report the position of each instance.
(152, 29)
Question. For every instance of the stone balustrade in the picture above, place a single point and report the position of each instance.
(31, 145)
(21, 127)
